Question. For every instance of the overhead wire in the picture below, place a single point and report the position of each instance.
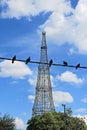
(28, 60)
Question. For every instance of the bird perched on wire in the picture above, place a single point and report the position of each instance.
(13, 59)
(50, 62)
(27, 60)
(65, 63)
(77, 66)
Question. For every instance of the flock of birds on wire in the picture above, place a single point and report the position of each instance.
(28, 60)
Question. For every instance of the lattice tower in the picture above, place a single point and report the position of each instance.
(43, 98)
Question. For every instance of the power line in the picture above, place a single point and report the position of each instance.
(28, 60)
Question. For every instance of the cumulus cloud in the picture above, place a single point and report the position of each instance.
(19, 123)
(59, 97)
(27, 8)
(62, 97)
(69, 28)
(69, 77)
(64, 24)
(80, 31)
(16, 8)
(16, 70)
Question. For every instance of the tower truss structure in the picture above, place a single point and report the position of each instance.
(43, 98)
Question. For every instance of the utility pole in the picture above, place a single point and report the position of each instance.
(64, 106)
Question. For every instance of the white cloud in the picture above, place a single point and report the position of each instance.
(80, 31)
(24, 114)
(84, 100)
(16, 70)
(84, 117)
(59, 97)
(17, 8)
(62, 97)
(81, 110)
(19, 123)
(52, 81)
(63, 25)
(58, 28)
(32, 81)
(72, 29)
(72, 51)
(31, 97)
(69, 77)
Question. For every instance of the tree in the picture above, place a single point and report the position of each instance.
(43, 122)
(85, 128)
(68, 111)
(7, 123)
(55, 121)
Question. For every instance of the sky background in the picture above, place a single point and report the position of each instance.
(21, 26)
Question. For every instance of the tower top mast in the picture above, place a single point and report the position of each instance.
(43, 54)
(43, 40)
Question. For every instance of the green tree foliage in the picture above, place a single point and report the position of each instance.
(7, 123)
(85, 128)
(45, 122)
(69, 112)
(55, 121)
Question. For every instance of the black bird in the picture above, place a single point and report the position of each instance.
(65, 63)
(27, 60)
(13, 59)
(77, 66)
(50, 63)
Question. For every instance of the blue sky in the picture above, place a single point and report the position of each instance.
(21, 26)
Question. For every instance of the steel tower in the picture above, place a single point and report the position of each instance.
(43, 98)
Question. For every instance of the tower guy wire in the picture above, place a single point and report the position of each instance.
(28, 60)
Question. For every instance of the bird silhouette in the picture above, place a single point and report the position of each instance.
(27, 60)
(13, 59)
(50, 62)
(77, 66)
(65, 63)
